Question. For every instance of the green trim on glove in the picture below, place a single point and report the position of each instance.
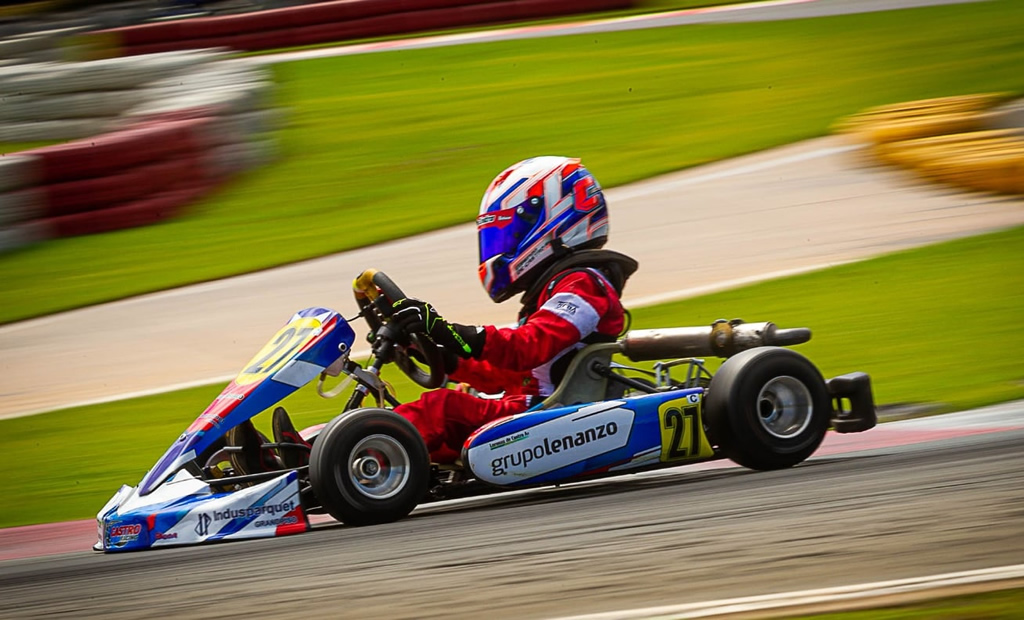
(416, 316)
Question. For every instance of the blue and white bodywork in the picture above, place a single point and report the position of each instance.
(172, 506)
(585, 440)
(184, 510)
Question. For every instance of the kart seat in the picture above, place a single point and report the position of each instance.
(581, 384)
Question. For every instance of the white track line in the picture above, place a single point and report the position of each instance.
(641, 189)
(811, 597)
(657, 298)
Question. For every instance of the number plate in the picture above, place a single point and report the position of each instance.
(682, 437)
(281, 348)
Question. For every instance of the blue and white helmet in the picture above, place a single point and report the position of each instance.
(536, 210)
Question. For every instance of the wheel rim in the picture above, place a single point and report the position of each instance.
(378, 466)
(785, 407)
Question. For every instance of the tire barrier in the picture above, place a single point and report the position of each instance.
(99, 75)
(322, 22)
(18, 171)
(67, 101)
(141, 149)
(973, 142)
(41, 46)
(102, 104)
(20, 204)
(164, 142)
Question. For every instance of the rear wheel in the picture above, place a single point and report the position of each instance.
(767, 408)
(369, 466)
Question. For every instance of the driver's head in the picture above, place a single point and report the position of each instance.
(533, 213)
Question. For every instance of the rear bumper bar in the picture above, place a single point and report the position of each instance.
(853, 404)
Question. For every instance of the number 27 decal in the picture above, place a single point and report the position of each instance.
(292, 338)
(681, 434)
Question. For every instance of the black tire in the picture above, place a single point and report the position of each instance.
(767, 408)
(369, 466)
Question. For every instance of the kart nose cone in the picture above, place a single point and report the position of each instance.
(118, 534)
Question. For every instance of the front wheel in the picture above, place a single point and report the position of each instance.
(767, 408)
(369, 466)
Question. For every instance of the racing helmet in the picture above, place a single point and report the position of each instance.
(536, 210)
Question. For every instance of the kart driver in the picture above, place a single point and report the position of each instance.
(542, 223)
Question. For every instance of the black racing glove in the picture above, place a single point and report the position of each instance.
(419, 317)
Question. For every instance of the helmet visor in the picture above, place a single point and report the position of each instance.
(500, 232)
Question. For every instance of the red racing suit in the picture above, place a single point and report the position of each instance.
(523, 362)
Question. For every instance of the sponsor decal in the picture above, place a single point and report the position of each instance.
(585, 433)
(289, 520)
(206, 519)
(230, 397)
(118, 531)
(495, 219)
(541, 250)
(550, 447)
(166, 535)
(203, 524)
(253, 511)
(207, 421)
(567, 307)
(121, 535)
(504, 441)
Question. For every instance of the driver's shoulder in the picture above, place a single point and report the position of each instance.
(589, 279)
(587, 284)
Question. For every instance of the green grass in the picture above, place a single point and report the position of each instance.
(998, 605)
(386, 145)
(939, 324)
(8, 148)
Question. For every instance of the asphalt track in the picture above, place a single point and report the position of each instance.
(907, 499)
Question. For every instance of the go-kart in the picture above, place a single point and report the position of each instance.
(767, 407)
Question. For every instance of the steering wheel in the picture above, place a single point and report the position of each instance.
(371, 286)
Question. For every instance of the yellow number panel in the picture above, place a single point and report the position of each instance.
(276, 353)
(682, 437)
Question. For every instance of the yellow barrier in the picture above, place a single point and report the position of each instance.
(909, 154)
(921, 127)
(915, 109)
(91, 46)
(945, 140)
(28, 8)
